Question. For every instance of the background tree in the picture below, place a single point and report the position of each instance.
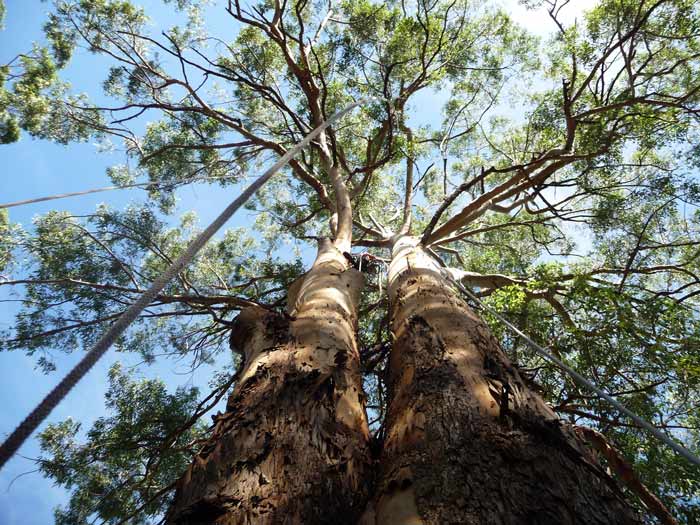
(574, 214)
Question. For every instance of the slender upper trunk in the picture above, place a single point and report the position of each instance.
(467, 441)
(292, 446)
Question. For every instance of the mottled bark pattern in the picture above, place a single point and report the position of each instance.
(467, 441)
(292, 446)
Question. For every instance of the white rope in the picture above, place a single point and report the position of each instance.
(44, 408)
(578, 378)
(110, 188)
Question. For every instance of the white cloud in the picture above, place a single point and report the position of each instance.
(538, 21)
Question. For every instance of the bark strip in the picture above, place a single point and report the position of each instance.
(626, 473)
(292, 446)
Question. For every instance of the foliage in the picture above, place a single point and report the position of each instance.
(128, 458)
(66, 291)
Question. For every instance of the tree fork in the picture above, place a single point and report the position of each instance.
(467, 441)
(293, 444)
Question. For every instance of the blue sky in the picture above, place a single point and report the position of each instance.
(36, 168)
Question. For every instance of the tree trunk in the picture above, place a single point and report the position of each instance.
(467, 441)
(293, 445)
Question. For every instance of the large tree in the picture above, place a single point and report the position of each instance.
(558, 185)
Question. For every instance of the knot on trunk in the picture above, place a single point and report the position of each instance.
(257, 321)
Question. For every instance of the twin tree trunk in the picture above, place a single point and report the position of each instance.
(466, 440)
(293, 445)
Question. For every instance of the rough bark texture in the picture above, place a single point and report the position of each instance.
(467, 441)
(292, 446)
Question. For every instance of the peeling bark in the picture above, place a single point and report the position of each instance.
(292, 446)
(467, 441)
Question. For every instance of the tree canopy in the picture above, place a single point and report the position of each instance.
(561, 186)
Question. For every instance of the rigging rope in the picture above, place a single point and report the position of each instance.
(578, 378)
(44, 408)
(110, 188)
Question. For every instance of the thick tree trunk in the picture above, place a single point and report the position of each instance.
(292, 446)
(467, 441)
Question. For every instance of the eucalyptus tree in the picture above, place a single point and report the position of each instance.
(557, 184)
